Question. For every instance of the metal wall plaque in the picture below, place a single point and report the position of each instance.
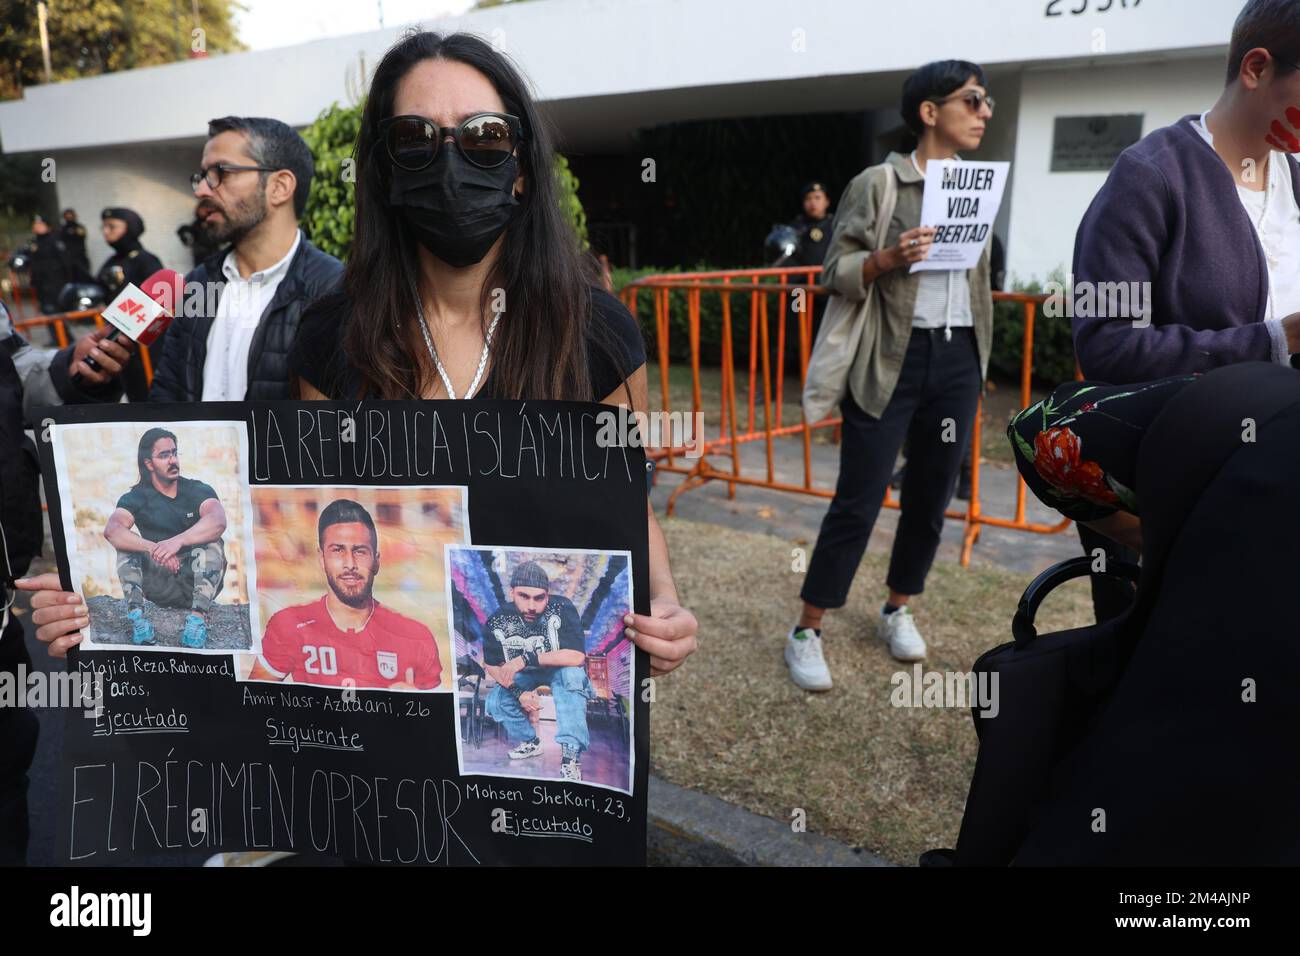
(1092, 143)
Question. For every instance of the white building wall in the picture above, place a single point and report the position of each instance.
(153, 181)
(1046, 207)
(1000, 137)
(576, 49)
(699, 53)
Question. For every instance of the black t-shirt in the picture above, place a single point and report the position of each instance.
(507, 635)
(317, 355)
(158, 517)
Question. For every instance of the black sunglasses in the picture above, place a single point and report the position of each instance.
(974, 99)
(486, 139)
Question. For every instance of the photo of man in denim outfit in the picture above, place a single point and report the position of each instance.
(536, 641)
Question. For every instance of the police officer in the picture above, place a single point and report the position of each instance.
(73, 234)
(130, 262)
(195, 238)
(49, 265)
(813, 225)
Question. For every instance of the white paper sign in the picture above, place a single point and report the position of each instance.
(961, 201)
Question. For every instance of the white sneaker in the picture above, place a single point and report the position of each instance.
(529, 748)
(898, 630)
(803, 655)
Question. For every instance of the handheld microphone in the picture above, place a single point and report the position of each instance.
(142, 313)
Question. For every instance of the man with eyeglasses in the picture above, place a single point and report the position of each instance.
(231, 339)
(1202, 219)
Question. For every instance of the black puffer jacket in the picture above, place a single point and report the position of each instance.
(178, 376)
(20, 496)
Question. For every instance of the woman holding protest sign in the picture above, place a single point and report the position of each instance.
(922, 343)
(464, 280)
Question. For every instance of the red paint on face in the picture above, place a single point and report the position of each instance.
(1293, 116)
(1283, 135)
(1272, 141)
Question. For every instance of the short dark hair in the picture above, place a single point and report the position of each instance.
(1271, 24)
(933, 81)
(145, 450)
(345, 511)
(275, 144)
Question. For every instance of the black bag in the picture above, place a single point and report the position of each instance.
(1133, 741)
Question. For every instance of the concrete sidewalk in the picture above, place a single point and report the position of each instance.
(686, 828)
(797, 517)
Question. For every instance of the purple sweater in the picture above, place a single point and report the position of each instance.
(1169, 214)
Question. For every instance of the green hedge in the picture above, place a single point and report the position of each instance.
(1053, 342)
(330, 216)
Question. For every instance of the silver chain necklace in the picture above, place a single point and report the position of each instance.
(437, 362)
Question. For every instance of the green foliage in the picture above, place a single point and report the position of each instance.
(89, 37)
(20, 192)
(1053, 341)
(570, 204)
(330, 215)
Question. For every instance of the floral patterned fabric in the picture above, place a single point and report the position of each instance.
(1077, 449)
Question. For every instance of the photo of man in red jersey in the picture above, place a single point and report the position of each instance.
(347, 638)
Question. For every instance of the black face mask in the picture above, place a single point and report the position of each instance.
(456, 210)
(125, 244)
(130, 239)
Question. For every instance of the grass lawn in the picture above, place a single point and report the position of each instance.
(729, 723)
(1001, 401)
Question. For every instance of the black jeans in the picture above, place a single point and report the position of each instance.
(933, 407)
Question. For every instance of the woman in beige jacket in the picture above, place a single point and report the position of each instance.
(917, 373)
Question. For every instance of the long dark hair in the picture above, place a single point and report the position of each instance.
(145, 451)
(540, 347)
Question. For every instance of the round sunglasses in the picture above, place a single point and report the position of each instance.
(486, 139)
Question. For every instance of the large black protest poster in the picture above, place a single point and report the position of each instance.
(389, 632)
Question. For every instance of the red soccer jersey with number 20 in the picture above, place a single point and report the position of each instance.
(303, 643)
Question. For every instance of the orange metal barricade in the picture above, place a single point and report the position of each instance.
(738, 427)
(12, 293)
(60, 322)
